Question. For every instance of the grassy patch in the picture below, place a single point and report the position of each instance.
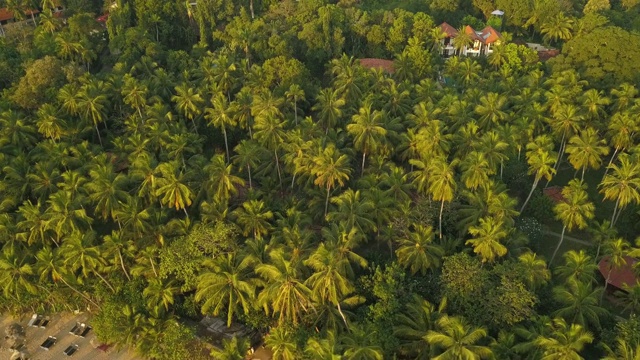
(549, 243)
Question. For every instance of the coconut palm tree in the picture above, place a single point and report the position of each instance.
(226, 286)
(358, 345)
(586, 150)
(232, 349)
(81, 254)
(295, 93)
(269, 132)
(282, 343)
(442, 184)
(475, 170)
(160, 293)
(557, 27)
(326, 348)
(491, 109)
(417, 251)
(221, 183)
(458, 340)
(188, 102)
(284, 294)
(623, 351)
(630, 297)
(622, 184)
(462, 40)
(331, 169)
(541, 160)
(247, 156)
(575, 211)
(578, 266)
(564, 341)
(220, 115)
(412, 325)
(537, 274)
(367, 130)
(116, 247)
(622, 129)
(254, 218)
(487, 237)
(49, 123)
(353, 211)
(579, 303)
(329, 108)
(16, 274)
(172, 187)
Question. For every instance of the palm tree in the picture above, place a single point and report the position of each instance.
(579, 303)
(623, 351)
(247, 156)
(615, 258)
(475, 170)
(578, 266)
(50, 124)
(232, 349)
(282, 344)
(417, 251)
(462, 40)
(557, 27)
(91, 105)
(329, 108)
(133, 216)
(116, 247)
(630, 297)
(226, 286)
(367, 130)
(172, 188)
(537, 274)
(490, 109)
(622, 184)
(254, 218)
(269, 131)
(541, 160)
(586, 150)
(326, 348)
(458, 340)
(50, 266)
(188, 102)
(564, 341)
(331, 169)
(442, 184)
(221, 116)
(159, 293)
(353, 211)
(105, 188)
(359, 345)
(285, 293)
(295, 93)
(16, 274)
(66, 215)
(221, 182)
(81, 254)
(622, 130)
(412, 325)
(574, 211)
(487, 239)
(566, 120)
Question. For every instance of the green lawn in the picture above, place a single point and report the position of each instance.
(549, 243)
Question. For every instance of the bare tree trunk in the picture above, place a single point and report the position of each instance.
(80, 293)
(606, 169)
(122, 265)
(98, 132)
(278, 167)
(105, 281)
(364, 156)
(226, 143)
(326, 202)
(558, 247)
(440, 218)
(249, 171)
(535, 183)
(253, 15)
(615, 210)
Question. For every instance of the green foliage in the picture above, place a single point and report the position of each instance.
(40, 83)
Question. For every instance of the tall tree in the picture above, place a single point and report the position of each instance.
(574, 211)
(458, 340)
(541, 160)
(564, 341)
(622, 184)
(367, 130)
(331, 169)
(487, 236)
(417, 250)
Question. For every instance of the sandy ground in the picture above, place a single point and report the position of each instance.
(59, 327)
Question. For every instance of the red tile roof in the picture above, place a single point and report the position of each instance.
(621, 276)
(473, 34)
(490, 35)
(548, 54)
(449, 30)
(386, 65)
(554, 193)
(5, 14)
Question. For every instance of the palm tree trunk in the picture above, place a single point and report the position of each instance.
(122, 265)
(535, 183)
(342, 315)
(79, 293)
(326, 202)
(226, 143)
(293, 180)
(557, 165)
(606, 283)
(105, 281)
(364, 156)
(615, 209)
(278, 167)
(606, 169)
(295, 106)
(195, 128)
(185, 211)
(249, 171)
(440, 219)
(153, 266)
(583, 169)
(558, 247)
(251, 9)
(98, 132)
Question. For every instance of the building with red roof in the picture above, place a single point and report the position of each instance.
(618, 277)
(482, 41)
(7, 17)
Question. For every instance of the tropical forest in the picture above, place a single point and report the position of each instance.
(344, 179)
